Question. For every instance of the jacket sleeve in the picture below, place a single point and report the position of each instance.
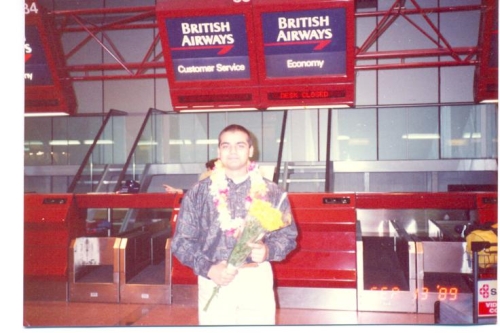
(282, 241)
(188, 236)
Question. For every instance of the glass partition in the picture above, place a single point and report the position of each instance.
(354, 135)
(408, 133)
(187, 138)
(469, 131)
(147, 148)
(102, 161)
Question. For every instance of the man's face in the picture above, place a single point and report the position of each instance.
(234, 150)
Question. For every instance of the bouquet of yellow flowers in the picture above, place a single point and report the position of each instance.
(262, 217)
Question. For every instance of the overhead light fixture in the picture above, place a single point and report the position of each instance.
(99, 142)
(207, 142)
(147, 143)
(474, 135)
(45, 114)
(180, 142)
(421, 136)
(33, 143)
(64, 142)
(489, 101)
(213, 109)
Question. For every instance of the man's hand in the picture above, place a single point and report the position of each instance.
(220, 274)
(170, 189)
(259, 251)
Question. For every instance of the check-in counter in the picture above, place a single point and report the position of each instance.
(51, 221)
(94, 269)
(132, 264)
(487, 207)
(443, 267)
(385, 267)
(145, 266)
(397, 239)
(321, 272)
(339, 234)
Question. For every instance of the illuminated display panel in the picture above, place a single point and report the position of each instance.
(305, 94)
(260, 54)
(305, 43)
(37, 71)
(305, 52)
(209, 48)
(209, 54)
(44, 91)
(443, 286)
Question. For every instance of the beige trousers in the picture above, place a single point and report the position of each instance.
(248, 300)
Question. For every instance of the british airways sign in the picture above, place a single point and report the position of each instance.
(305, 43)
(258, 54)
(209, 48)
(36, 72)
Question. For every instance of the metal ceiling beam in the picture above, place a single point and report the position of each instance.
(96, 22)
(443, 47)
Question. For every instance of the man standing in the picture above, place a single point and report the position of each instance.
(210, 220)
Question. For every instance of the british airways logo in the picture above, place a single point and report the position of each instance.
(28, 51)
(207, 35)
(304, 30)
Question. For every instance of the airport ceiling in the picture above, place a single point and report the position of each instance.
(96, 19)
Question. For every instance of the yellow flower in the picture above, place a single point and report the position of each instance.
(269, 217)
(258, 189)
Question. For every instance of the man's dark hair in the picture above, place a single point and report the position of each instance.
(237, 128)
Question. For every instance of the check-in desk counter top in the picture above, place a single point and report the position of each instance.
(416, 200)
(124, 212)
(136, 200)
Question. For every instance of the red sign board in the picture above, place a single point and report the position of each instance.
(305, 52)
(209, 54)
(43, 61)
(258, 54)
(486, 75)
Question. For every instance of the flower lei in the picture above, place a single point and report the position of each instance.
(219, 190)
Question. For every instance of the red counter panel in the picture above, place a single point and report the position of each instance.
(209, 54)
(487, 207)
(50, 222)
(138, 200)
(305, 52)
(326, 245)
(413, 200)
(486, 73)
